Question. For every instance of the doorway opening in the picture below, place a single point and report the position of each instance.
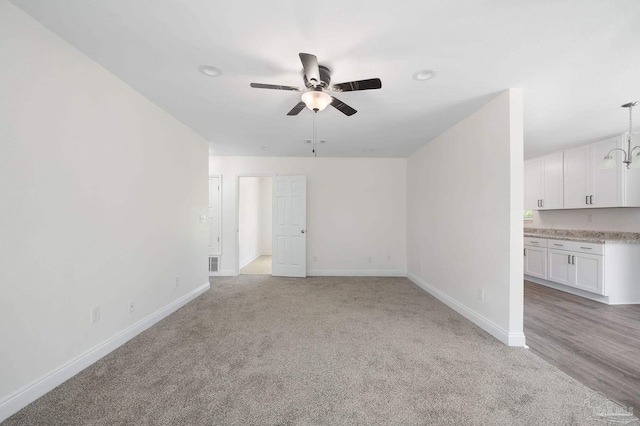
(254, 225)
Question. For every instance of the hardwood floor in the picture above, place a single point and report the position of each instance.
(597, 344)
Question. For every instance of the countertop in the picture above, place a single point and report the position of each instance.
(584, 236)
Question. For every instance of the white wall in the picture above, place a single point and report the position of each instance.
(101, 193)
(254, 218)
(356, 209)
(618, 219)
(464, 217)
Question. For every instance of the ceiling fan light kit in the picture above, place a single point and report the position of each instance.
(317, 80)
(316, 100)
(609, 162)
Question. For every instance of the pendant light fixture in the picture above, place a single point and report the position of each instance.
(632, 161)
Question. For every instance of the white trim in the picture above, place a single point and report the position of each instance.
(572, 290)
(355, 273)
(23, 397)
(225, 273)
(511, 339)
(219, 177)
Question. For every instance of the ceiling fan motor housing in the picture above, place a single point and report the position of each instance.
(325, 78)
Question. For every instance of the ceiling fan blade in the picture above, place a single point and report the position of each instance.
(342, 107)
(311, 69)
(274, 86)
(352, 86)
(296, 109)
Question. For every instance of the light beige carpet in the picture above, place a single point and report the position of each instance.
(260, 266)
(333, 351)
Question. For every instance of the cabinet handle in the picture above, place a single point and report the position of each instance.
(538, 203)
(586, 248)
(590, 199)
(525, 252)
(569, 259)
(542, 203)
(559, 245)
(573, 260)
(533, 242)
(586, 201)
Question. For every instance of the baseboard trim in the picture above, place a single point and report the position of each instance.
(225, 273)
(355, 273)
(567, 289)
(242, 265)
(511, 339)
(23, 397)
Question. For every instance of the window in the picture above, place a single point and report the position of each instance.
(528, 214)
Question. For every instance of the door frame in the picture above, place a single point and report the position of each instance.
(237, 214)
(219, 252)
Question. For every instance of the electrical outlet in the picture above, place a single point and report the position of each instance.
(177, 281)
(95, 313)
(132, 306)
(388, 257)
(315, 258)
(369, 259)
(480, 294)
(589, 218)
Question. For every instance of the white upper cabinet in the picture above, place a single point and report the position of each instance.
(571, 179)
(585, 186)
(607, 185)
(543, 189)
(577, 179)
(552, 176)
(532, 184)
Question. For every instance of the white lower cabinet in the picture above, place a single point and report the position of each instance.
(589, 272)
(535, 262)
(560, 268)
(568, 264)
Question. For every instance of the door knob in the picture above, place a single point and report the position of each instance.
(302, 232)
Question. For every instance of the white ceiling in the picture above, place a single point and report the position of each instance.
(576, 60)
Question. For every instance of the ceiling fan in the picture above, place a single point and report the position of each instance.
(317, 79)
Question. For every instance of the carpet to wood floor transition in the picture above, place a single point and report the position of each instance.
(264, 350)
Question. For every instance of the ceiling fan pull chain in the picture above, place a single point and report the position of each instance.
(314, 134)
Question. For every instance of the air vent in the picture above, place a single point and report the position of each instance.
(214, 263)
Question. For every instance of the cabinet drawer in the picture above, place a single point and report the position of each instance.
(535, 242)
(560, 244)
(591, 248)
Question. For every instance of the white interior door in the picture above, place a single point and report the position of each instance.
(289, 226)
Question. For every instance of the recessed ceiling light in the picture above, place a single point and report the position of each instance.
(210, 70)
(368, 150)
(265, 148)
(424, 75)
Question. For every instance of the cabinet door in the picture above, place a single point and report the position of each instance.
(560, 267)
(535, 262)
(606, 185)
(577, 164)
(532, 184)
(589, 272)
(552, 181)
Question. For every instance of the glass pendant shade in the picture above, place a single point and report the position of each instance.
(607, 163)
(316, 100)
